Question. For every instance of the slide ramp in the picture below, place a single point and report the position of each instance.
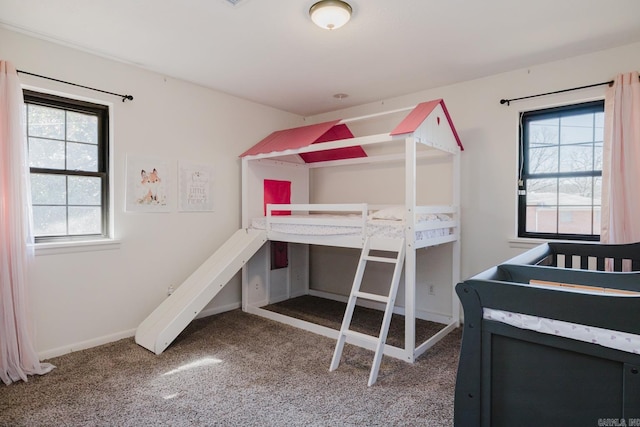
(170, 318)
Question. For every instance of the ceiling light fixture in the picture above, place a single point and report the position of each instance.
(330, 14)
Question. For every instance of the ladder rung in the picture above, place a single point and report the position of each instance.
(372, 297)
(381, 259)
(360, 335)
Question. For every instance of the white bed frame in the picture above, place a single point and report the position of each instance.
(261, 286)
(346, 218)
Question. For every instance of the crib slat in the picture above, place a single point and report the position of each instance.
(584, 262)
(617, 264)
(568, 261)
(600, 263)
(635, 264)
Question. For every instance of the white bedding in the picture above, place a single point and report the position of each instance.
(388, 228)
(607, 338)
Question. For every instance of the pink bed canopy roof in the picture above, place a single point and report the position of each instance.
(295, 138)
(420, 113)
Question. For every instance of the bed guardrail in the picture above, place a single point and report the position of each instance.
(306, 209)
(354, 219)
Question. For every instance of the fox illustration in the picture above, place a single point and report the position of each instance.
(150, 183)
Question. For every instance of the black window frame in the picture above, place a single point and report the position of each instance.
(101, 111)
(525, 174)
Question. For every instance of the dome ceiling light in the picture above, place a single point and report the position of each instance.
(330, 14)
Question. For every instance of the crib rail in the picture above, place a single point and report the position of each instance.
(588, 256)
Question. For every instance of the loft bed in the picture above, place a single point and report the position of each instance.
(552, 337)
(289, 158)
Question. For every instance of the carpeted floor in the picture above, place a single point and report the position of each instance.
(236, 369)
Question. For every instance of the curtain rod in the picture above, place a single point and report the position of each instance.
(508, 101)
(124, 97)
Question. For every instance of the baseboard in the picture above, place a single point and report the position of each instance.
(106, 339)
(328, 295)
(431, 316)
(218, 309)
(299, 293)
(83, 345)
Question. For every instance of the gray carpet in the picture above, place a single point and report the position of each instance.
(236, 369)
(329, 313)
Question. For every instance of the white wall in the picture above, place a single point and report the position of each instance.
(489, 132)
(85, 298)
(384, 183)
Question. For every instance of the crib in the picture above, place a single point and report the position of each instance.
(551, 338)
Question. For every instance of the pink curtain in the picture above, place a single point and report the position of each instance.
(621, 162)
(18, 357)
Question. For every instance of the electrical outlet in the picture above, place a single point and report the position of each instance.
(432, 290)
(170, 290)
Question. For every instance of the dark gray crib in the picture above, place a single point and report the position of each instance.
(509, 376)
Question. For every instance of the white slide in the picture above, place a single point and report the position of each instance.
(164, 324)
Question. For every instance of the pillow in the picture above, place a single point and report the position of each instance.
(393, 212)
(398, 213)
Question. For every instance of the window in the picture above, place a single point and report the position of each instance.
(561, 172)
(68, 160)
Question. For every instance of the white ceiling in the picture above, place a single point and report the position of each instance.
(269, 51)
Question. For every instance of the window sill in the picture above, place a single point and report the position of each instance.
(528, 243)
(56, 248)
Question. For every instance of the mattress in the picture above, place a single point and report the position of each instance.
(350, 225)
(612, 339)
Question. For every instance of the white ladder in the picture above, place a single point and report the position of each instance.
(388, 245)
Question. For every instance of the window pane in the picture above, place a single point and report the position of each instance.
(542, 191)
(576, 191)
(576, 158)
(542, 219)
(45, 122)
(543, 160)
(46, 153)
(578, 128)
(599, 127)
(575, 220)
(597, 153)
(49, 220)
(597, 190)
(48, 189)
(541, 205)
(597, 203)
(84, 220)
(82, 157)
(84, 190)
(543, 132)
(82, 127)
(596, 220)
